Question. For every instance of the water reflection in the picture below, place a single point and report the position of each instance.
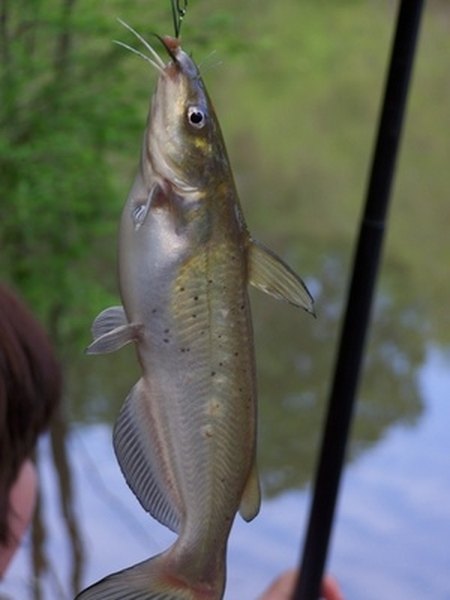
(295, 354)
(44, 567)
(294, 387)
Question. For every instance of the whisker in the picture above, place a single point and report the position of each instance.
(146, 44)
(206, 64)
(211, 66)
(142, 55)
(207, 58)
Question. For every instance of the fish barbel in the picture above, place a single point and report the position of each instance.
(185, 437)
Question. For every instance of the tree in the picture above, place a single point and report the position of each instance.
(60, 114)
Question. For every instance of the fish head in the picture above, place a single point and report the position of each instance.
(184, 141)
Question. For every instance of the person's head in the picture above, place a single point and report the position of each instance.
(30, 388)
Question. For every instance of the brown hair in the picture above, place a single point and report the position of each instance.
(30, 388)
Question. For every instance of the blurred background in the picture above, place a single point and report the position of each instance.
(297, 87)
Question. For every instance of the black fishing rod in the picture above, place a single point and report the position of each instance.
(355, 325)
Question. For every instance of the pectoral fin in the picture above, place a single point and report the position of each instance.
(111, 331)
(140, 209)
(270, 274)
(251, 498)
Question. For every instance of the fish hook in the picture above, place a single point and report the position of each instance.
(179, 8)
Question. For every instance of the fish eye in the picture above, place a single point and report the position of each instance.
(196, 117)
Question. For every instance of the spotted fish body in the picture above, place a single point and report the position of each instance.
(185, 437)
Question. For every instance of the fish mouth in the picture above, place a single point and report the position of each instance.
(180, 61)
(171, 45)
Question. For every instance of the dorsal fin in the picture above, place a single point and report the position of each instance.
(270, 274)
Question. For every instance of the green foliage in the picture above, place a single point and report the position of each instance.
(297, 96)
(57, 194)
(71, 116)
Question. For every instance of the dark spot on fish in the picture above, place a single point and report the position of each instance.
(213, 373)
(219, 336)
(210, 281)
(220, 364)
(182, 350)
(195, 298)
(194, 316)
(166, 341)
(182, 289)
(188, 349)
(240, 389)
(154, 311)
(242, 306)
(236, 353)
(166, 330)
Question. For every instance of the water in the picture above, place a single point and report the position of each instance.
(301, 181)
(391, 538)
(393, 531)
(392, 526)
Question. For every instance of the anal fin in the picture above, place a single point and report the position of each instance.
(140, 458)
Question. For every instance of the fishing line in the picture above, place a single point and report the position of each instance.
(179, 8)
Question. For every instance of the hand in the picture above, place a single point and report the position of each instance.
(283, 587)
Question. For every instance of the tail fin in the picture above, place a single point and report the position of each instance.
(151, 579)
